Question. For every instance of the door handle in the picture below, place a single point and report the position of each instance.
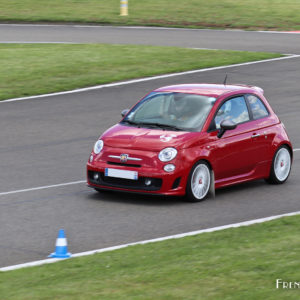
(255, 135)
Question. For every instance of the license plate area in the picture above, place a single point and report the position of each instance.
(116, 173)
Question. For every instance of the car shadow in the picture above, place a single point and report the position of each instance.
(136, 199)
(159, 200)
(241, 187)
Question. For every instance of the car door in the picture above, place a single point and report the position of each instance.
(262, 134)
(233, 153)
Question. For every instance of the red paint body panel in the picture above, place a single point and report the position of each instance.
(242, 154)
(144, 138)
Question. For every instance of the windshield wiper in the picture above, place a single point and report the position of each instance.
(130, 122)
(160, 125)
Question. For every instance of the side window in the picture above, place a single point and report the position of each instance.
(257, 107)
(234, 109)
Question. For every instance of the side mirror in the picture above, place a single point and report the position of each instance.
(226, 125)
(125, 112)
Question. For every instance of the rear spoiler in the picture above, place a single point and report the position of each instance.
(257, 88)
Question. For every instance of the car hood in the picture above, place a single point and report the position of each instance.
(120, 136)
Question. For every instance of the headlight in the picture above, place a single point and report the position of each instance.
(98, 146)
(167, 154)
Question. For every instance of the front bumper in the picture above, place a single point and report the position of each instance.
(152, 179)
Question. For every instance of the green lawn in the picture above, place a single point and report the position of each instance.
(248, 14)
(241, 263)
(32, 69)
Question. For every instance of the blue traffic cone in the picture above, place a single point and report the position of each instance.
(61, 247)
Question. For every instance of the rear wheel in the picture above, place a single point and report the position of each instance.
(281, 166)
(199, 182)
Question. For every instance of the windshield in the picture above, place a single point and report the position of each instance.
(171, 111)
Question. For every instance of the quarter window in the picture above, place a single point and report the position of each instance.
(234, 109)
(257, 107)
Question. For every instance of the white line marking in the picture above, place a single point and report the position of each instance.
(26, 42)
(56, 185)
(148, 28)
(41, 187)
(176, 236)
(149, 79)
(83, 43)
(285, 32)
(110, 27)
(216, 49)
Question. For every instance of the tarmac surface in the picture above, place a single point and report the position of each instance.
(47, 141)
(190, 38)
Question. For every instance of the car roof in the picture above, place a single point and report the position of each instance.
(211, 90)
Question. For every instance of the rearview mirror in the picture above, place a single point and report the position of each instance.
(226, 125)
(125, 112)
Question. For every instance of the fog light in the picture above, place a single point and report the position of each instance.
(91, 158)
(148, 181)
(96, 176)
(169, 168)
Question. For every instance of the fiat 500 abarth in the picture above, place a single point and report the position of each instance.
(190, 139)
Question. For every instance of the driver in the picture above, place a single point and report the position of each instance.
(182, 108)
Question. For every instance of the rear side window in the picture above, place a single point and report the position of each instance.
(234, 109)
(257, 107)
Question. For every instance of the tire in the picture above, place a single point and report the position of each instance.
(281, 166)
(198, 183)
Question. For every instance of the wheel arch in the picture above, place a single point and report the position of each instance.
(290, 149)
(190, 196)
(207, 161)
(272, 178)
(200, 155)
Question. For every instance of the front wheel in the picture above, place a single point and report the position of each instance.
(199, 182)
(281, 166)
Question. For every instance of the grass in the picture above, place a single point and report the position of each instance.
(31, 69)
(250, 14)
(240, 263)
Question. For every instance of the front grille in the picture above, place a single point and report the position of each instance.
(123, 164)
(139, 184)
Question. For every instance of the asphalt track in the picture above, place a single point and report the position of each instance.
(47, 141)
(212, 39)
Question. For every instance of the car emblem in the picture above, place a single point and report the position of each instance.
(123, 158)
(167, 137)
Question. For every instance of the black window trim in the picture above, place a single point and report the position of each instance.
(225, 100)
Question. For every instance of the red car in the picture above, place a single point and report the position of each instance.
(190, 139)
